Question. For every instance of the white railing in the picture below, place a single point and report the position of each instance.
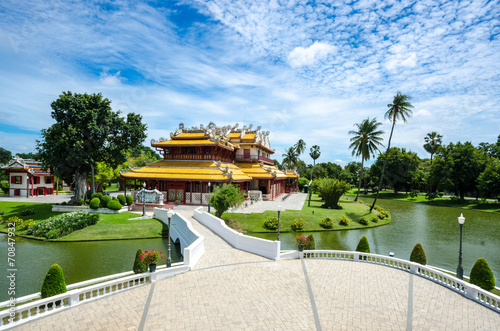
(466, 289)
(192, 244)
(263, 247)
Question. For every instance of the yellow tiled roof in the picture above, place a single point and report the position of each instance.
(185, 135)
(292, 175)
(192, 142)
(257, 171)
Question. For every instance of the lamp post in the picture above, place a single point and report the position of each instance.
(169, 258)
(460, 270)
(144, 199)
(279, 209)
(209, 184)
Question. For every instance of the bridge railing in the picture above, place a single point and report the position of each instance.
(466, 289)
(191, 240)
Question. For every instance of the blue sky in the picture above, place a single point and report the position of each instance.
(299, 69)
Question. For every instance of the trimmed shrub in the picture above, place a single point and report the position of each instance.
(383, 214)
(139, 266)
(363, 221)
(418, 255)
(54, 282)
(344, 220)
(311, 244)
(326, 223)
(114, 205)
(413, 194)
(481, 275)
(363, 245)
(95, 203)
(130, 199)
(298, 225)
(104, 200)
(27, 212)
(122, 199)
(430, 196)
(79, 202)
(62, 225)
(271, 223)
(64, 203)
(374, 219)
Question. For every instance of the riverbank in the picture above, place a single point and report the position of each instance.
(253, 223)
(109, 227)
(489, 206)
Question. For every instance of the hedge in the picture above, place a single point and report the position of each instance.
(61, 225)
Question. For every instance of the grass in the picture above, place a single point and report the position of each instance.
(112, 187)
(311, 216)
(470, 204)
(110, 226)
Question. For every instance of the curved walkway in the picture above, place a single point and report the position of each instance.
(233, 290)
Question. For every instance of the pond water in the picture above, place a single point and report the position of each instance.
(436, 228)
(79, 260)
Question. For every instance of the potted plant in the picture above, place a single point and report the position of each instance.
(177, 202)
(301, 242)
(150, 258)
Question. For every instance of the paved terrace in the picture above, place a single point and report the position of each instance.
(233, 290)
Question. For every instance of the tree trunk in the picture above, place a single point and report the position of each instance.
(360, 177)
(80, 186)
(383, 168)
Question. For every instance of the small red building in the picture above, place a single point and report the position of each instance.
(28, 178)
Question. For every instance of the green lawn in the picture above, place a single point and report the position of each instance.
(471, 204)
(311, 216)
(112, 187)
(110, 226)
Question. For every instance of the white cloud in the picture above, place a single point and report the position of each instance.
(110, 80)
(318, 51)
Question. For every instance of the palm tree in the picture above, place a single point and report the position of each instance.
(290, 158)
(432, 142)
(365, 142)
(300, 147)
(314, 154)
(399, 109)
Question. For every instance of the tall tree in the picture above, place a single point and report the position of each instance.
(432, 142)
(314, 154)
(300, 147)
(365, 142)
(5, 156)
(86, 132)
(290, 158)
(399, 109)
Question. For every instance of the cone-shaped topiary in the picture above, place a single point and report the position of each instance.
(122, 199)
(363, 245)
(53, 283)
(130, 199)
(418, 255)
(481, 275)
(310, 243)
(139, 266)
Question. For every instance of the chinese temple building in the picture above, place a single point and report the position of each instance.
(198, 159)
(28, 178)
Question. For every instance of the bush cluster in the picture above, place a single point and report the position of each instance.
(19, 222)
(383, 214)
(114, 205)
(413, 194)
(344, 220)
(271, 223)
(298, 225)
(27, 212)
(374, 219)
(363, 221)
(79, 202)
(62, 225)
(105, 200)
(326, 223)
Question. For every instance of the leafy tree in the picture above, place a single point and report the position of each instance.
(400, 167)
(5, 156)
(86, 132)
(493, 150)
(489, 179)
(302, 181)
(224, 197)
(432, 142)
(418, 255)
(300, 147)
(481, 275)
(314, 154)
(331, 190)
(457, 167)
(290, 158)
(30, 155)
(399, 109)
(365, 142)
(104, 173)
(302, 169)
